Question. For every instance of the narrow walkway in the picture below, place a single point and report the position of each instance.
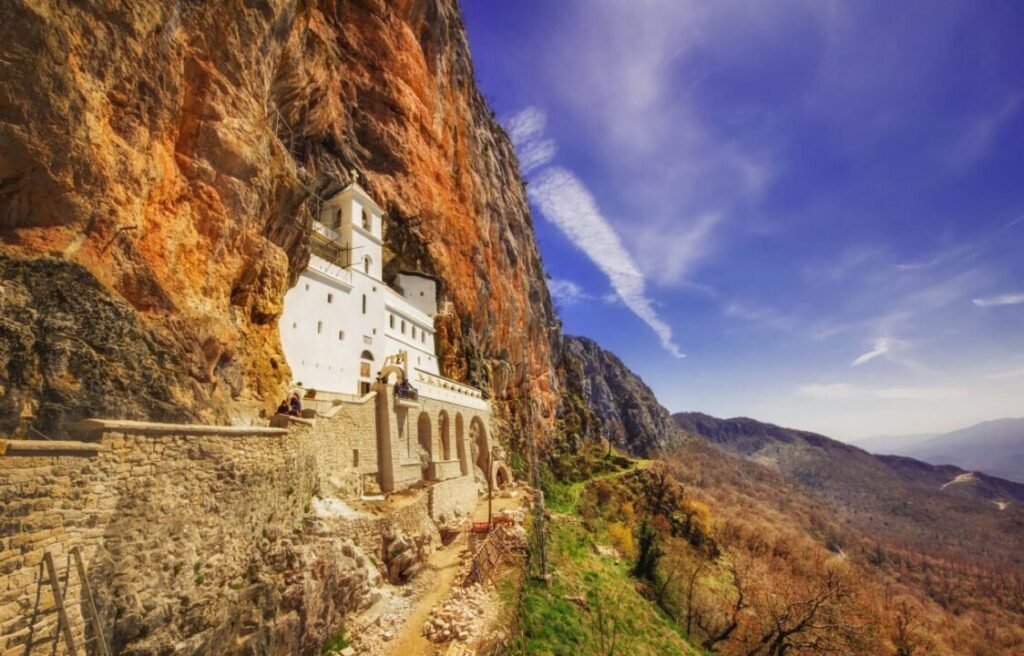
(443, 568)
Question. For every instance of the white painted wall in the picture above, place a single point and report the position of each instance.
(420, 291)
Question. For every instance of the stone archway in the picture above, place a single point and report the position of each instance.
(501, 476)
(425, 440)
(478, 439)
(460, 444)
(386, 372)
(446, 440)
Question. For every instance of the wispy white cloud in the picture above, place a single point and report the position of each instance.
(979, 136)
(1003, 375)
(565, 201)
(846, 391)
(671, 254)
(526, 130)
(1000, 299)
(881, 347)
(567, 292)
(827, 390)
(759, 314)
(919, 393)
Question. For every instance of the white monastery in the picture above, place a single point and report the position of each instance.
(351, 338)
(341, 320)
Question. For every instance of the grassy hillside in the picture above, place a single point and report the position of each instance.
(590, 602)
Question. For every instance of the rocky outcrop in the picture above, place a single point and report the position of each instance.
(604, 399)
(69, 349)
(171, 153)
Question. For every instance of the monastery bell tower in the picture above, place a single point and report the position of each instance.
(358, 220)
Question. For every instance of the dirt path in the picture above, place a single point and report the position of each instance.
(443, 568)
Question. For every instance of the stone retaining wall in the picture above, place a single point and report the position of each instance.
(157, 517)
(174, 530)
(456, 495)
(176, 523)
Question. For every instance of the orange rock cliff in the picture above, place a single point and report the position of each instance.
(157, 169)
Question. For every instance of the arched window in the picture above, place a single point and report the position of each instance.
(364, 303)
(366, 355)
(366, 264)
(366, 220)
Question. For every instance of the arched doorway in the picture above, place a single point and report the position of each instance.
(423, 434)
(502, 476)
(460, 445)
(478, 438)
(446, 440)
(365, 364)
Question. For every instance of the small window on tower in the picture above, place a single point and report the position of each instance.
(337, 218)
(307, 286)
(330, 298)
(366, 265)
(391, 320)
(319, 327)
(414, 332)
(364, 303)
(366, 220)
(341, 334)
(403, 326)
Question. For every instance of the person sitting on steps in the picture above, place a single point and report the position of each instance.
(295, 404)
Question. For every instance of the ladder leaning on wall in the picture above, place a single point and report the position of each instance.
(63, 624)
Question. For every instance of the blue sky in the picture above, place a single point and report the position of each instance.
(810, 213)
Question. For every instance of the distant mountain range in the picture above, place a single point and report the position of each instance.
(942, 508)
(992, 447)
(836, 468)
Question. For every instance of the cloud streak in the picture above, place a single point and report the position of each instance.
(846, 392)
(1001, 299)
(882, 346)
(567, 203)
(1003, 375)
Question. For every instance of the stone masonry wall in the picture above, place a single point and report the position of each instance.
(190, 542)
(347, 447)
(451, 497)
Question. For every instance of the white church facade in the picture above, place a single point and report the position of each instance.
(342, 320)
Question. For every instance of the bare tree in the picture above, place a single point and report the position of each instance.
(604, 622)
(904, 631)
(814, 617)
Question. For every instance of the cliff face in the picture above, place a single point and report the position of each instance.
(169, 156)
(610, 401)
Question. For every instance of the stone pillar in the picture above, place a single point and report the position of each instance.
(385, 455)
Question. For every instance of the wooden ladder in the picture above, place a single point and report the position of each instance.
(64, 625)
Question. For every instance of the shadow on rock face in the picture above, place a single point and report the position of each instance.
(69, 349)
